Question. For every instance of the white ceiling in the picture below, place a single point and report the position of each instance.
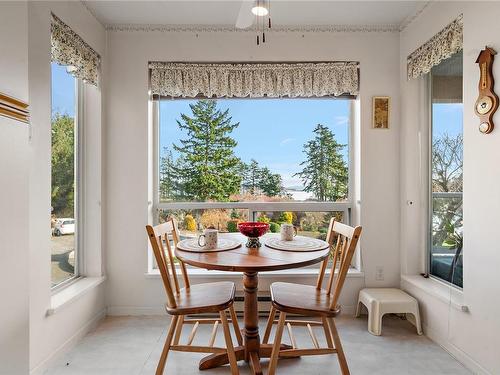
(283, 12)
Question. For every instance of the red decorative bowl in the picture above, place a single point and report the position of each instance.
(253, 230)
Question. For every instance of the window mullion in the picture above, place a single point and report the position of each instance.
(80, 267)
(156, 158)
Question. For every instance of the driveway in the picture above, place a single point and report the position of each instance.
(62, 258)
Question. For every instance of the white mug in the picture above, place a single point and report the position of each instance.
(288, 231)
(209, 239)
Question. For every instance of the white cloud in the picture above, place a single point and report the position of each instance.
(287, 171)
(286, 140)
(341, 120)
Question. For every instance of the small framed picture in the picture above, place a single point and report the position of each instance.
(381, 110)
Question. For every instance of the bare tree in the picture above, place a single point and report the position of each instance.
(447, 177)
(447, 163)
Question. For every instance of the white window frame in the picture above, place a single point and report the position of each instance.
(252, 207)
(78, 196)
(431, 194)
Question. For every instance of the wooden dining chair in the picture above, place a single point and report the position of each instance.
(207, 298)
(314, 301)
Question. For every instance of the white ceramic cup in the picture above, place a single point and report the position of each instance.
(288, 231)
(209, 239)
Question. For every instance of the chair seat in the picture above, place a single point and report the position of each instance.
(302, 299)
(203, 298)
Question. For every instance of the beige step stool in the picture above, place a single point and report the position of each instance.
(380, 301)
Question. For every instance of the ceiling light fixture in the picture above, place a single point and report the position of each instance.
(262, 10)
(259, 8)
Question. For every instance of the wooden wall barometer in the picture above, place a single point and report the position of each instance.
(487, 101)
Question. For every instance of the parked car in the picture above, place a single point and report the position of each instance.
(64, 226)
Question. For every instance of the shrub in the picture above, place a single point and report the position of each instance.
(274, 227)
(232, 226)
(234, 214)
(190, 223)
(286, 217)
(214, 218)
(264, 219)
(313, 221)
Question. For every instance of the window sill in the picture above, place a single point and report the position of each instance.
(72, 292)
(198, 273)
(445, 293)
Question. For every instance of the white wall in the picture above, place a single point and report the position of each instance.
(126, 157)
(14, 314)
(473, 337)
(51, 334)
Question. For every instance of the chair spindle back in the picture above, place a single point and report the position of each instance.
(343, 240)
(160, 237)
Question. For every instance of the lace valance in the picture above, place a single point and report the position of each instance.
(69, 49)
(254, 79)
(440, 47)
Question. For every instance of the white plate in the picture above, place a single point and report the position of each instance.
(223, 244)
(299, 243)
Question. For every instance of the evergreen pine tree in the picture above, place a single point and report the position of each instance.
(169, 183)
(208, 167)
(324, 172)
(251, 176)
(270, 183)
(257, 180)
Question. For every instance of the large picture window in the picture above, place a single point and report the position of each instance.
(64, 167)
(446, 167)
(274, 160)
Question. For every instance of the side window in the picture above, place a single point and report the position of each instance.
(446, 167)
(64, 166)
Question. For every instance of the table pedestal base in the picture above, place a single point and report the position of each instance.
(216, 360)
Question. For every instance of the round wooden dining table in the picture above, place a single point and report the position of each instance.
(249, 261)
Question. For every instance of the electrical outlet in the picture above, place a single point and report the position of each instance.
(379, 273)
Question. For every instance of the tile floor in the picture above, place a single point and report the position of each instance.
(132, 345)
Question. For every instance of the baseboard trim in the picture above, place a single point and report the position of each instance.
(69, 343)
(455, 352)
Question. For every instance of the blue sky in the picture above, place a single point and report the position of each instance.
(63, 91)
(447, 118)
(271, 131)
